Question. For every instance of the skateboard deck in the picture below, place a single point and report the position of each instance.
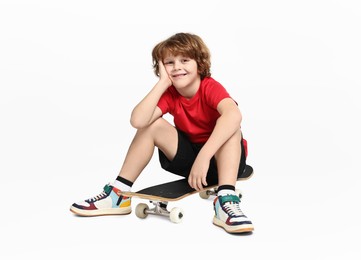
(179, 189)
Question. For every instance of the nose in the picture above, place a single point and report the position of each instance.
(176, 65)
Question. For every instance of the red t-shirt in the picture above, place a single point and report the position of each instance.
(197, 116)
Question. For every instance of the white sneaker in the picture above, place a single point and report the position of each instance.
(109, 202)
(229, 216)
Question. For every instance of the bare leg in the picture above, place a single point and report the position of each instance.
(228, 213)
(160, 134)
(227, 158)
(109, 202)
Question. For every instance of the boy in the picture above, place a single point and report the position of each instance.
(206, 144)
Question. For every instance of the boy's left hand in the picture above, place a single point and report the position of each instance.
(198, 174)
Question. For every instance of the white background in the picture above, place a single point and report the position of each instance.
(71, 72)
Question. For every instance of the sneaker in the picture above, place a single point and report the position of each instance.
(229, 216)
(109, 202)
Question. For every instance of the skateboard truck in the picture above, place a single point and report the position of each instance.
(160, 208)
(205, 194)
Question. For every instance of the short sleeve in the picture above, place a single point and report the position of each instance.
(215, 93)
(165, 101)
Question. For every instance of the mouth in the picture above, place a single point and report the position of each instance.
(179, 75)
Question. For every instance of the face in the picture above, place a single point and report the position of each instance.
(183, 72)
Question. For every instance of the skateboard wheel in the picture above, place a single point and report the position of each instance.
(204, 194)
(176, 215)
(140, 210)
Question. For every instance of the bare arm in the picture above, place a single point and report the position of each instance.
(146, 112)
(227, 124)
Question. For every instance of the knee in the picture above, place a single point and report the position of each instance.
(232, 145)
(236, 137)
(158, 124)
(154, 127)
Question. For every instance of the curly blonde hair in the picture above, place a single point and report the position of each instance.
(188, 45)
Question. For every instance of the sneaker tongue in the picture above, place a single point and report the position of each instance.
(229, 198)
(107, 189)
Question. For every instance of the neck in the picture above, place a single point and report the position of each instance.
(190, 90)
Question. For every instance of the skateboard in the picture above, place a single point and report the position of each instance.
(160, 195)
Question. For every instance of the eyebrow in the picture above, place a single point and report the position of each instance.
(180, 55)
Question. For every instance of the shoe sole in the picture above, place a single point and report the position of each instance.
(233, 229)
(100, 212)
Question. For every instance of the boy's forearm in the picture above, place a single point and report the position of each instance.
(144, 110)
(226, 126)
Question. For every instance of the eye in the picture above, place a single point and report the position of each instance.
(168, 62)
(185, 60)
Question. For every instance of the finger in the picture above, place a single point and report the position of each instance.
(161, 66)
(191, 182)
(195, 185)
(204, 181)
(199, 184)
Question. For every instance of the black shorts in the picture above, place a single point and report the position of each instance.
(185, 156)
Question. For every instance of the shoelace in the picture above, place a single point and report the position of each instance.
(233, 209)
(98, 197)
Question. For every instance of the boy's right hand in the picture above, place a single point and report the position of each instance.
(163, 75)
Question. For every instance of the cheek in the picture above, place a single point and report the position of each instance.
(195, 66)
(168, 69)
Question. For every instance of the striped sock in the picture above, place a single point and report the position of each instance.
(122, 184)
(226, 190)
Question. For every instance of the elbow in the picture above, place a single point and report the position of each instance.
(136, 121)
(137, 124)
(232, 120)
(237, 118)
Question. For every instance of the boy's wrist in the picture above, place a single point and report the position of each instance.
(204, 153)
(164, 84)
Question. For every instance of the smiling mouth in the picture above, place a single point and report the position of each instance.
(179, 75)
